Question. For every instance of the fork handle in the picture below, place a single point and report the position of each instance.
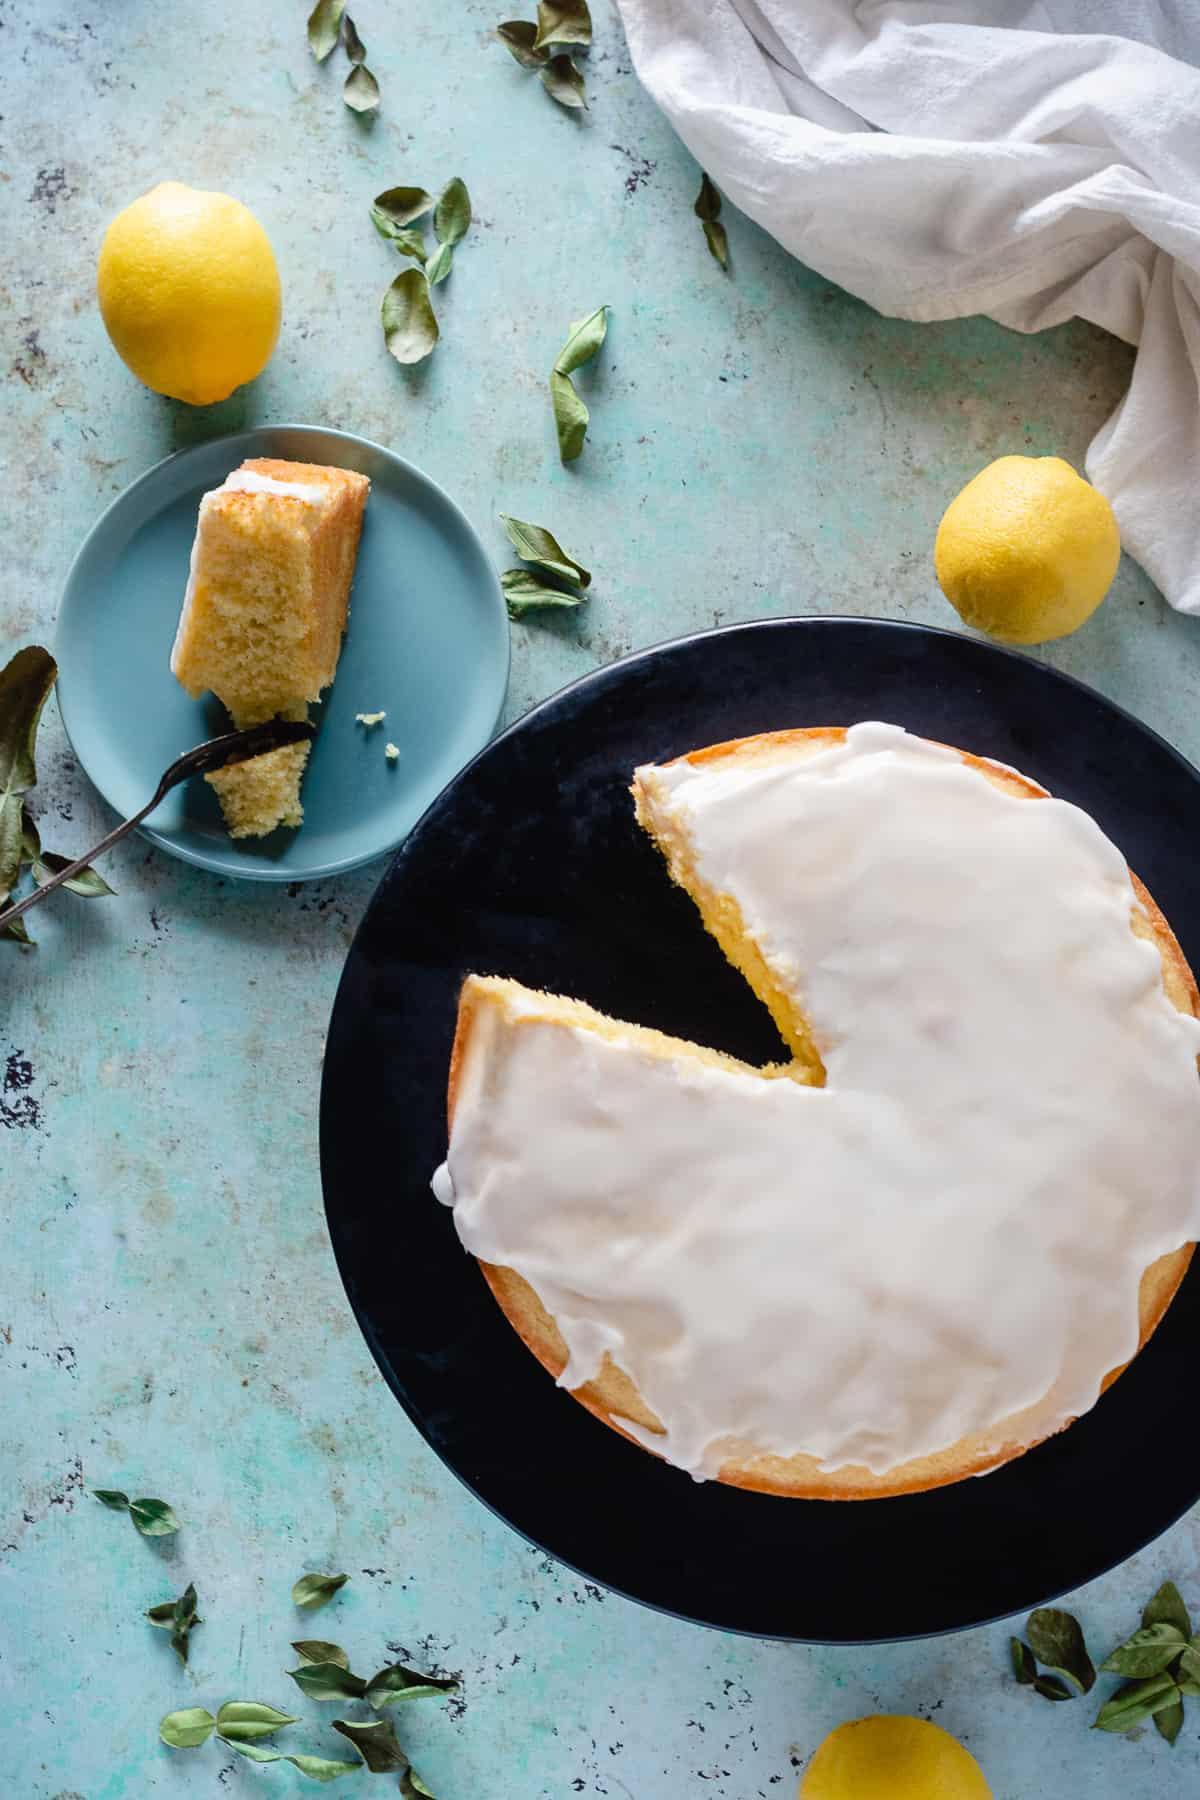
(81, 862)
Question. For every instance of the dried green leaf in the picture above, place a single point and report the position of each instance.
(1136, 1701)
(243, 1719)
(583, 340)
(317, 1768)
(112, 1497)
(179, 1618)
(563, 82)
(717, 241)
(25, 684)
(323, 24)
(184, 1730)
(315, 1590)
(523, 591)
(1168, 1721)
(328, 1681)
(319, 1650)
(1051, 1688)
(1167, 1608)
(322, 1768)
(1023, 1665)
(540, 547)
(439, 264)
(519, 37)
(87, 883)
(570, 416)
(563, 22)
(1189, 1662)
(16, 929)
(708, 200)
(153, 1518)
(452, 214)
(361, 90)
(410, 329)
(397, 1683)
(407, 242)
(1057, 1641)
(413, 1788)
(1148, 1652)
(376, 1742)
(401, 205)
(352, 44)
(259, 1753)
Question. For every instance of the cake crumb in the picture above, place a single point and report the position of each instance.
(392, 752)
(369, 719)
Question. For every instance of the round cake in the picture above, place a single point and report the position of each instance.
(932, 1233)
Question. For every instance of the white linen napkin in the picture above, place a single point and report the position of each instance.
(1028, 159)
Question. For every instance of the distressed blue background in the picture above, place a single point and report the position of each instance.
(170, 1317)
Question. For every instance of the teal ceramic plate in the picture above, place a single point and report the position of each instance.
(427, 643)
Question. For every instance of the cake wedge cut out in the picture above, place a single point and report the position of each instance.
(933, 1234)
(264, 614)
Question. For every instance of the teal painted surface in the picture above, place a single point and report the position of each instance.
(170, 1318)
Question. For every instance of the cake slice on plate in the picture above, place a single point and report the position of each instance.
(264, 614)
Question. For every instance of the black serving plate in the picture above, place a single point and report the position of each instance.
(530, 865)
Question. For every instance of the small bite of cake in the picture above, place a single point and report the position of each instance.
(264, 613)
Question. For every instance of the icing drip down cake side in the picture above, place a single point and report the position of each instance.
(931, 1234)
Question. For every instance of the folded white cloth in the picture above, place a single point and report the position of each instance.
(1028, 159)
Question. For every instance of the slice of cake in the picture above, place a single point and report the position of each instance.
(263, 616)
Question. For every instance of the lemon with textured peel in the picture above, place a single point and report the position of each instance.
(189, 292)
(891, 1758)
(1028, 550)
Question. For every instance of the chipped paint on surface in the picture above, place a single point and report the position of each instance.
(171, 1321)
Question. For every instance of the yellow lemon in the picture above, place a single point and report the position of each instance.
(891, 1758)
(189, 292)
(1028, 550)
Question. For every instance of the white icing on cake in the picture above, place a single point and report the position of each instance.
(954, 1228)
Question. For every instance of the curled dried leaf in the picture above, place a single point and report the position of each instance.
(519, 37)
(410, 329)
(563, 81)
(563, 22)
(397, 1683)
(361, 91)
(523, 591)
(323, 23)
(314, 1590)
(328, 1681)
(452, 214)
(401, 205)
(540, 547)
(243, 1720)
(352, 44)
(319, 1650)
(376, 1742)
(186, 1729)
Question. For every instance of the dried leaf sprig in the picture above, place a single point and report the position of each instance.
(540, 47)
(179, 1618)
(570, 414)
(25, 684)
(553, 579)
(708, 210)
(1161, 1663)
(153, 1518)
(410, 327)
(239, 1724)
(328, 24)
